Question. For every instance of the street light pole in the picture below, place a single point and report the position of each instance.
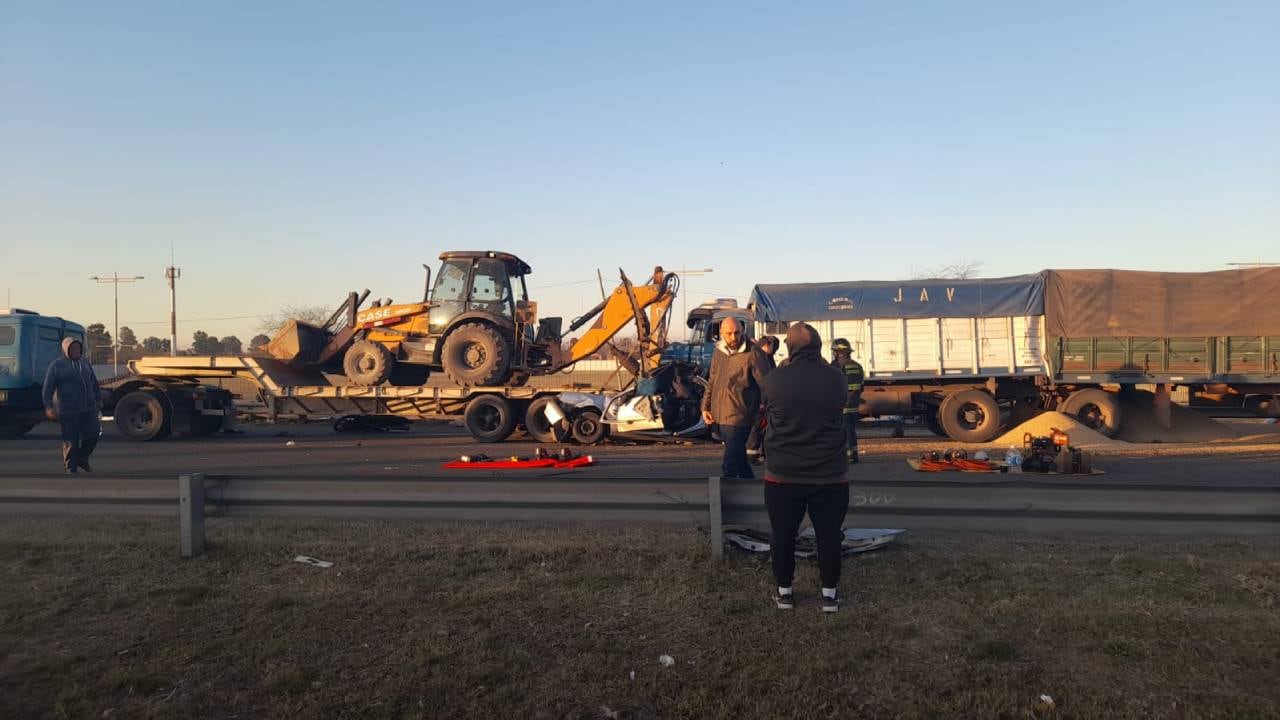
(115, 281)
(684, 295)
(172, 273)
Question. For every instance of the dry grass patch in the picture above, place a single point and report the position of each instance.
(484, 620)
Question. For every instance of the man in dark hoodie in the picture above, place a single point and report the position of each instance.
(71, 380)
(804, 403)
(732, 399)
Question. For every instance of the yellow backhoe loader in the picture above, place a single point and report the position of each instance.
(477, 324)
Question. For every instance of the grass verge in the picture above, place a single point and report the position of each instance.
(100, 616)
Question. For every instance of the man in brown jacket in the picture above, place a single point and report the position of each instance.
(732, 399)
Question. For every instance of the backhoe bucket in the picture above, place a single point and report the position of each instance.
(297, 343)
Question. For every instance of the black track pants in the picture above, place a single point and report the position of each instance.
(80, 432)
(826, 505)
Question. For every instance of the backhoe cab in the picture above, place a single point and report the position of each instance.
(476, 323)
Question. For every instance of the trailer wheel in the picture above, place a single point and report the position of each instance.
(406, 375)
(490, 418)
(367, 363)
(588, 428)
(538, 425)
(143, 415)
(1096, 409)
(930, 420)
(15, 428)
(476, 355)
(971, 416)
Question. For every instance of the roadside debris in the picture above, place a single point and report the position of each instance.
(306, 560)
(1052, 453)
(856, 540)
(371, 424)
(666, 660)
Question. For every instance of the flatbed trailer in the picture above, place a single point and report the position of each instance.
(170, 394)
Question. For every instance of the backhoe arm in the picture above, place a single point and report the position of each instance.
(627, 303)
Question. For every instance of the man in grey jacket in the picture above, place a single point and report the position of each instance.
(71, 397)
(732, 399)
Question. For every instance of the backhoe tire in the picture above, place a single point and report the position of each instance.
(367, 363)
(490, 418)
(1096, 409)
(970, 416)
(143, 415)
(476, 355)
(406, 375)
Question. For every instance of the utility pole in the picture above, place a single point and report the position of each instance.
(684, 295)
(115, 281)
(171, 274)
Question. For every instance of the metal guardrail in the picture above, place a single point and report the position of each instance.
(1023, 505)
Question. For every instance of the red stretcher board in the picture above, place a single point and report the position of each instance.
(548, 463)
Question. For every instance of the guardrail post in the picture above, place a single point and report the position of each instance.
(191, 514)
(715, 517)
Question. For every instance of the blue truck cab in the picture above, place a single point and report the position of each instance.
(29, 342)
(704, 332)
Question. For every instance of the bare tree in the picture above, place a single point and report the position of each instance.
(952, 271)
(310, 314)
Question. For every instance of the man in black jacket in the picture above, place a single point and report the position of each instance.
(806, 464)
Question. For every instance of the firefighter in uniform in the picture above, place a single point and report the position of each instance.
(842, 353)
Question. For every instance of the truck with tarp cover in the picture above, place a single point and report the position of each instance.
(971, 357)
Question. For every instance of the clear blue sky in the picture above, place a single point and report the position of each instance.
(294, 151)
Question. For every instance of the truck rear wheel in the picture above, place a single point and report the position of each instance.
(367, 363)
(490, 418)
(538, 425)
(1096, 409)
(971, 416)
(476, 355)
(930, 420)
(143, 415)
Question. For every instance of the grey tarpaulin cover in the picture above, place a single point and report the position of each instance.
(1130, 303)
(1017, 296)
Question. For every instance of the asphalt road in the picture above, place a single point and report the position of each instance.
(315, 450)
